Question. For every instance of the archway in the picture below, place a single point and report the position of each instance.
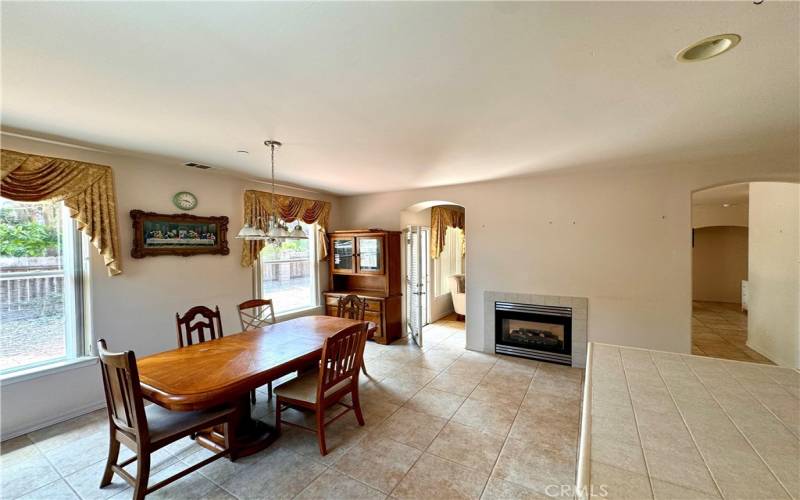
(745, 279)
(434, 311)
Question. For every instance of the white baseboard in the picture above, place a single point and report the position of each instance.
(34, 426)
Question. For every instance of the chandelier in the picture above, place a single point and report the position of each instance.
(277, 229)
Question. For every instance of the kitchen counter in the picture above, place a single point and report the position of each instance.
(667, 426)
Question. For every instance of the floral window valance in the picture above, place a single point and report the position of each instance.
(258, 206)
(443, 217)
(86, 189)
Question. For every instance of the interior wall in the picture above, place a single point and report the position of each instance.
(620, 237)
(719, 263)
(717, 215)
(136, 310)
(774, 287)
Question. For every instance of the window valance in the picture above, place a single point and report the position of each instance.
(443, 217)
(258, 206)
(86, 189)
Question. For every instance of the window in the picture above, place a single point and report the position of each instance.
(450, 261)
(41, 285)
(289, 272)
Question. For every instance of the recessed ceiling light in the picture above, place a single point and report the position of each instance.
(243, 152)
(726, 205)
(709, 47)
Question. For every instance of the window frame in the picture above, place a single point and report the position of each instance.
(78, 350)
(313, 246)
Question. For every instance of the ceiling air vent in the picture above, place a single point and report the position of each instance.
(196, 165)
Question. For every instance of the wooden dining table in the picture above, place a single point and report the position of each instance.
(223, 371)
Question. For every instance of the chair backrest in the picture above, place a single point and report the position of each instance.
(256, 313)
(200, 321)
(351, 307)
(121, 386)
(341, 358)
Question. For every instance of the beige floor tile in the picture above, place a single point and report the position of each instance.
(613, 483)
(57, 490)
(456, 383)
(497, 489)
(25, 469)
(467, 446)
(434, 402)
(335, 485)
(494, 418)
(434, 477)
(498, 394)
(545, 431)
(392, 391)
(618, 454)
(86, 483)
(340, 436)
(535, 468)
(411, 427)
(188, 487)
(380, 463)
(278, 471)
(742, 475)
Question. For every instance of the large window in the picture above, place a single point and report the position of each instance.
(450, 261)
(41, 285)
(289, 273)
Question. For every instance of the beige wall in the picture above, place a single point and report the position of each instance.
(719, 263)
(621, 237)
(774, 289)
(136, 310)
(716, 215)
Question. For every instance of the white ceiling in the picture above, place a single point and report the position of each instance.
(384, 96)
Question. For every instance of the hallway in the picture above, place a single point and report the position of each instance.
(719, 330)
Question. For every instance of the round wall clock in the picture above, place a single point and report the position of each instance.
(184, 200)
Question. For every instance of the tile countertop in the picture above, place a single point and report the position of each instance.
(666, 426)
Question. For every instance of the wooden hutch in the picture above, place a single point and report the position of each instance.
(366, 262)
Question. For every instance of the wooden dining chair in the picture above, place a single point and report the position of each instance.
(253, 314)
(199, 324)
(146, 429)
(337, 376)
(352, 307)
(199, 321)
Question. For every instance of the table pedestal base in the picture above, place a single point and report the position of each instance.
(251, 436)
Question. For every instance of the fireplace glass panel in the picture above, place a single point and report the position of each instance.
(533, 334)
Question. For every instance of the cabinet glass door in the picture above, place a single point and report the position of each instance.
(370, 254)
(344, 255)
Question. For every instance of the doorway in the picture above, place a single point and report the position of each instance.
(417, 281)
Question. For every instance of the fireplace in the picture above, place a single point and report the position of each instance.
(534, 331)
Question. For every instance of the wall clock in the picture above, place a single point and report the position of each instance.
(184, 200)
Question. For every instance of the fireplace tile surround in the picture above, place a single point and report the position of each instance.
(580, 315)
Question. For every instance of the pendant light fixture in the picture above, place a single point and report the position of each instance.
(277, 228)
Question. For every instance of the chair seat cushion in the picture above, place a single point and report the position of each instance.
(304, 387)
(164, 423)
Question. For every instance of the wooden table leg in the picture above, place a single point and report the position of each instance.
(251, 437)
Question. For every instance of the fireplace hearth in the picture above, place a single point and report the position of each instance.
(534, 331)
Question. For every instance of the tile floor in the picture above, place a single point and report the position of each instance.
(673, 426)
(719, 330)
(442, 422)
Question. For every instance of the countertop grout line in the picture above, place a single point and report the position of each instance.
(686, 424)
(739, 430)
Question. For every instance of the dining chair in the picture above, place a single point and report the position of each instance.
(337, 376)
(197, 322)
(201, 322)
(146, 429)
(257, 313)
(352, 307)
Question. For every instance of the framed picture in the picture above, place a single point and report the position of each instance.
(178, 234)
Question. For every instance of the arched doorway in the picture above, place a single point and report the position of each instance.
(745, 279)
(434, 262)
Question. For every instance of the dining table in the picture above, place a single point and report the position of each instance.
(223, 371)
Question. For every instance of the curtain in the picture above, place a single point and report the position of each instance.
(443, 217)
(258, 206)
(86, 189)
